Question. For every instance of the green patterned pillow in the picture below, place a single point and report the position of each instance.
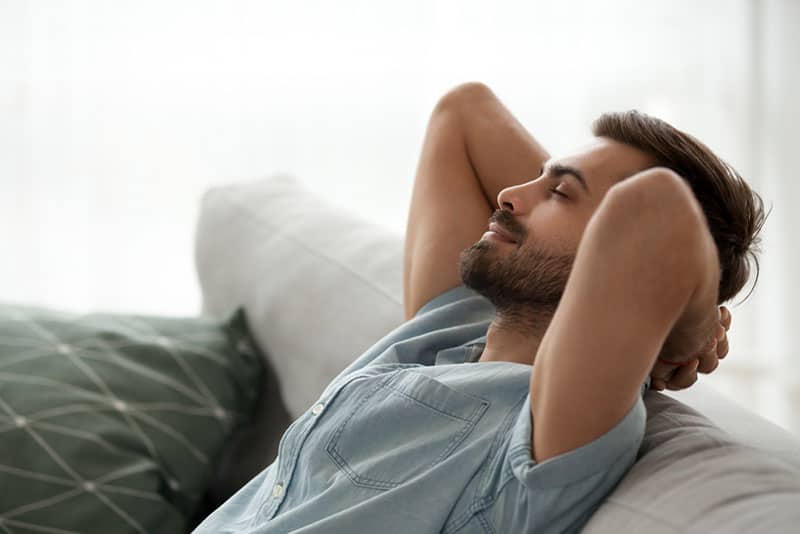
(114, 423)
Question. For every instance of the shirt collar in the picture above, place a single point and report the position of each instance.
(466, 353)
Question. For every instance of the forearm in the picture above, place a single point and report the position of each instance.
(700, 318)
(692, 331)
(501, 151)
(627, 290)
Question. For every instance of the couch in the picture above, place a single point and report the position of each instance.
(298, 264)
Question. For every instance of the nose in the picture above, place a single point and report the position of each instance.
(518, 199)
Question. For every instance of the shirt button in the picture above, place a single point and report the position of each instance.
(277, 490)
(317, 408)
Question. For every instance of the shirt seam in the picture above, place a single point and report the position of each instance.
(267, 508)
(595, 472)
(484, 497)
(597, 469)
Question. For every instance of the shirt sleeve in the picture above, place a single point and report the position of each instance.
(560, 493)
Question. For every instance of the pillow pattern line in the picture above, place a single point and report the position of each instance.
(92, 378)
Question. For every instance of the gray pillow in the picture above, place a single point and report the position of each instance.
(116, 423)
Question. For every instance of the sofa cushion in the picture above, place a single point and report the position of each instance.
(692, 476)
(744, 426)
(115, 423)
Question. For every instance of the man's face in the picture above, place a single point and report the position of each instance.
(546, 218)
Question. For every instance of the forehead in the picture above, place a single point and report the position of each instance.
(604, 162)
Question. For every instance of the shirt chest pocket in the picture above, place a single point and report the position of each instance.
(402, 427)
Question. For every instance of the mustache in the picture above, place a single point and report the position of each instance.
(505, 219)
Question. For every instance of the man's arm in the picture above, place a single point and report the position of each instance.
(473, 149)
(646, 266)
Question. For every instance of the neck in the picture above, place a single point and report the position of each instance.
(515, 336)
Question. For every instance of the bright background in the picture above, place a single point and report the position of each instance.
(115, 117)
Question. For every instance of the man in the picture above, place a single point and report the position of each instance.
(513, 402)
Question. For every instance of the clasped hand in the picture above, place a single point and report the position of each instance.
(681, 375)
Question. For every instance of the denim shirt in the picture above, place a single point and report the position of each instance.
(417, 436)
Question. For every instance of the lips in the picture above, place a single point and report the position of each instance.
(496, 228)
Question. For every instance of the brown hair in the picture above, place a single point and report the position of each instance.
(735, 213)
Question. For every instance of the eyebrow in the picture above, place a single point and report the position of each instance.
(560, 170)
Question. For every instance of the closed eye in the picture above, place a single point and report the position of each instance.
(557, 192)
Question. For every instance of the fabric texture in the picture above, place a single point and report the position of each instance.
(115, 423)
(417, 436)
(694, 477)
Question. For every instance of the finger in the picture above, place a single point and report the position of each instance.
(684, 377)
(708, 360)
(720, 333)
(722, 347)
(725, 317)
(662, 371)
(710, 365)
(660, 374)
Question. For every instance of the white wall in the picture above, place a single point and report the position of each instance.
(115, 117)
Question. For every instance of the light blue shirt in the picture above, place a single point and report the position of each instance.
(417, 436)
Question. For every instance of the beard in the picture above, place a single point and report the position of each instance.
(527, 282)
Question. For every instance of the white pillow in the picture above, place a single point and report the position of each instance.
(320, 286)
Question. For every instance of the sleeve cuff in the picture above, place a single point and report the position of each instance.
(602, 454)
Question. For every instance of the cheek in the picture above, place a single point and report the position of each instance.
(553, 234)
(559, 227)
